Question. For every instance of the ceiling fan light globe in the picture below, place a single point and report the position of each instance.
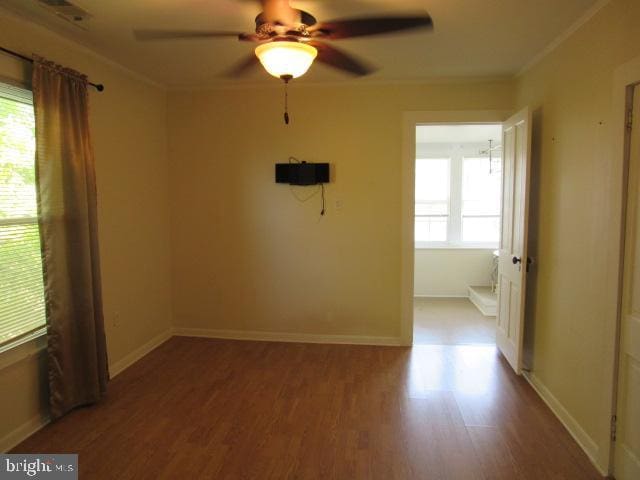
(286, 58)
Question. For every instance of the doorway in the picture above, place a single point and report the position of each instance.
(623, 450)
(458, 173)
(625, 456)
(512, 223)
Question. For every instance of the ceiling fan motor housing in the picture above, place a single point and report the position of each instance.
(302, 20)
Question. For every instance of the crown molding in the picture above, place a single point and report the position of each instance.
(73, 44)
(560, 39)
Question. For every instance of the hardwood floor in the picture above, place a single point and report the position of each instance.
(200, 408)
(451, 321)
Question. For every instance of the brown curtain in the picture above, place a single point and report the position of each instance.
(65, 180)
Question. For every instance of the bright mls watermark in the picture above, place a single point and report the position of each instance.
(63, 466)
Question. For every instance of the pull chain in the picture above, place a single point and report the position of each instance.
(286, 103)
(490, 157)
(286, 79)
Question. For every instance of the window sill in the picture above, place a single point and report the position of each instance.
(23, 348)
(453, 246)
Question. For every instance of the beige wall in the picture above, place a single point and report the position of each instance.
(246, 254)
(129, 134)
(576, 218)
(449, 272)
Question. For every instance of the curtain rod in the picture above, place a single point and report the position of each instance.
(98, 86)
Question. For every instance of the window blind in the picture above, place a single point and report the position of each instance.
(21, 282)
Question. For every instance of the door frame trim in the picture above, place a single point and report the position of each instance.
(626, 78)
(407, 192)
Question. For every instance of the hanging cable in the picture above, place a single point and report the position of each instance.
(293, 159)
(490, 157)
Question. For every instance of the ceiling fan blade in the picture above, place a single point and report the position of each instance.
(147, 35)
(243, 67)
(341, 60)
(360, 27)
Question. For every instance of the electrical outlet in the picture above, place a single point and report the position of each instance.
(338, 204)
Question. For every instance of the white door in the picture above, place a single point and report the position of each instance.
(516, 147)
(627, 444)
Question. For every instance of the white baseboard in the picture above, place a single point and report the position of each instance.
(287, 337)
(588, 445)
(24, 431)
(131, 358)
(34, 424)
(441, 296)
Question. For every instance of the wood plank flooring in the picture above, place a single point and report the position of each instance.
(200, 408)
(451, 321)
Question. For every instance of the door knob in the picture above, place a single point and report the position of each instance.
(516, 260)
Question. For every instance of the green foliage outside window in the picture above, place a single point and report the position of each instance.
(21, 284)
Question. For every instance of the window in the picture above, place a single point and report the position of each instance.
(432, 199)
(480, 201)
(457, 196)
(21, 281)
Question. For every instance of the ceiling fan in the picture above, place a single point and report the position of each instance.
(289, 40)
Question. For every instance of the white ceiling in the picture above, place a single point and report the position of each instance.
(471, 37)
(458, 133)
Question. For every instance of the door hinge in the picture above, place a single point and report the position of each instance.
(529, 263)
(630, 119)
(614, 420)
